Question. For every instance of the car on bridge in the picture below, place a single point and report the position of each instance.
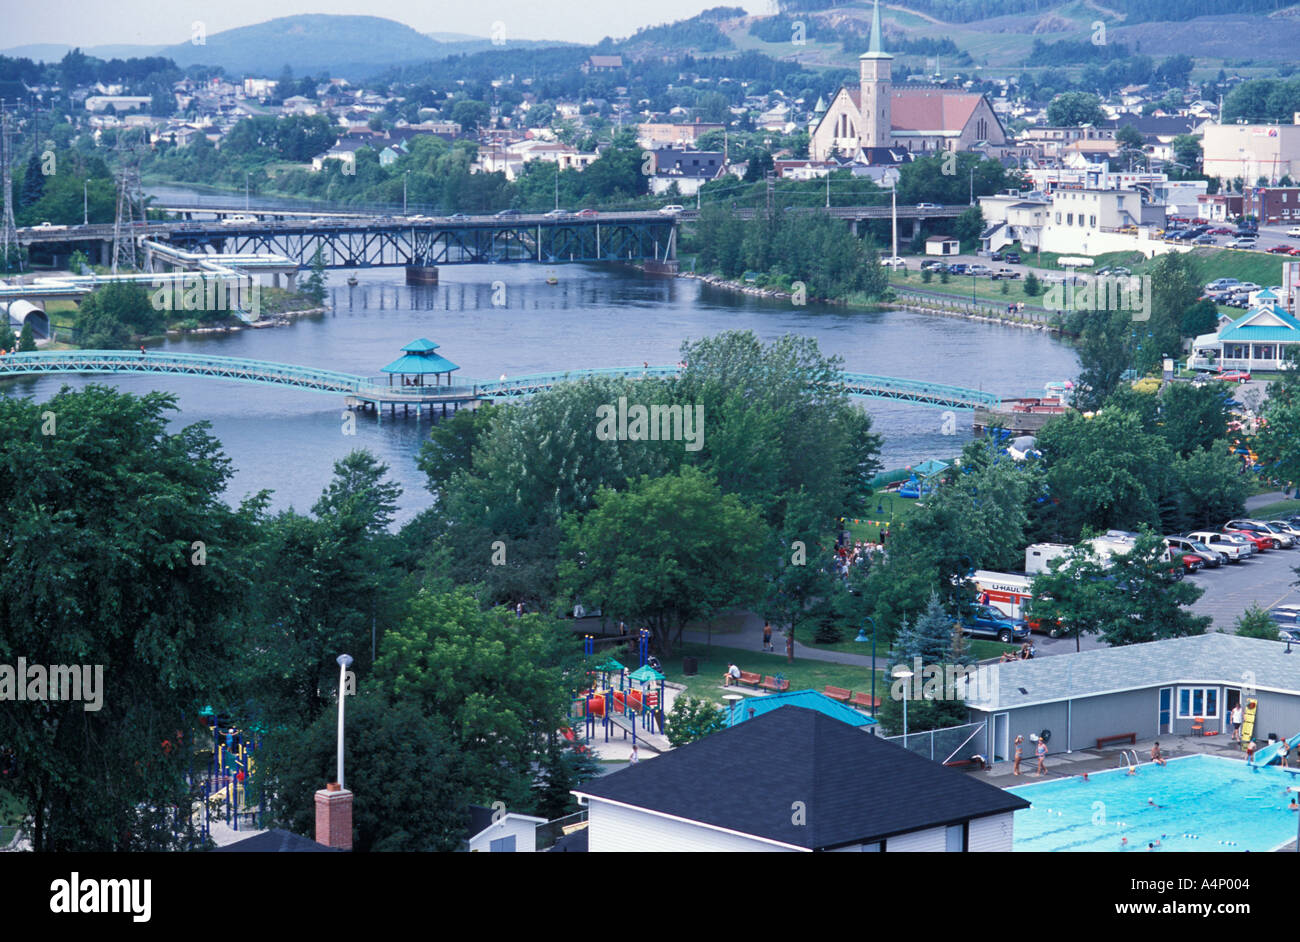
(48, 226)
(558, 214)
(586, 213)
(928, 206)
(506, 213)
(672, 209)
(458, 217)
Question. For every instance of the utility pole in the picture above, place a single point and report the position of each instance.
(8, 230)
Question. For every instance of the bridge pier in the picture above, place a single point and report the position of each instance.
(916, 227)
(421, 274)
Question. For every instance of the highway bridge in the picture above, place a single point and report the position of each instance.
(421, 243)
(365, 392)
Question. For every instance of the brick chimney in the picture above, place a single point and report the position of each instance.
(334, 817)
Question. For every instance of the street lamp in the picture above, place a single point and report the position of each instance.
(344, 660)
(862, 637)
(903, 674)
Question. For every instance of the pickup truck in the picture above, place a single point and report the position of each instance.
(1005, 273)
(985, 621)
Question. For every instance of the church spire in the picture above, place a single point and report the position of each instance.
(875, 49)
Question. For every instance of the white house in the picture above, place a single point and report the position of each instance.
(794, 779)
(1258, 340)
(495, 832)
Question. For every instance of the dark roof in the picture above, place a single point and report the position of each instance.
(855, 787)
(277, 841)
(479, 819)
(575, 843)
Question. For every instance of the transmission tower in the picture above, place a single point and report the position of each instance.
(130, 208)
(8, 230)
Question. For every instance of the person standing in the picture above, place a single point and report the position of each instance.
(767, 636)
(1284, 751)
(1020, 754)
(1041, 752)
(1236, 723)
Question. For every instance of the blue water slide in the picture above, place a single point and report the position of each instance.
(1268, 755)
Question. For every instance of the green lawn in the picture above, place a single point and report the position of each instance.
(802, 674)
(979, 649)
(884, 506)
(1276, 509)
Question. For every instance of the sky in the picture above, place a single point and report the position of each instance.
(163, 22)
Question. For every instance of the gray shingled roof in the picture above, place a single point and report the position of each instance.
(1214, 658)
(855, 787)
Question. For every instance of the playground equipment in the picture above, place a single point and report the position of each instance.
(233, 762)
(1269, 754)
(620, 698)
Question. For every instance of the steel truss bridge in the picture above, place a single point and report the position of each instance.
(364, 390)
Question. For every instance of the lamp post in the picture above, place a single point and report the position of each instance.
(344, 660)
(873, 664)
(903, 674)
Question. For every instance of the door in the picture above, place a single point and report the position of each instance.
(1232, 698)
(1001, 747)
(1165, 721)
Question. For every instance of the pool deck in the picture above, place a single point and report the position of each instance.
(1066, 765)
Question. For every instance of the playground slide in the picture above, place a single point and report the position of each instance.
(1268, 755)
(1248, 721)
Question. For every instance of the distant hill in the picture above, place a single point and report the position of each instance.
(344, 46)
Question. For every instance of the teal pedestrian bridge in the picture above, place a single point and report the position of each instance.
(366, 392)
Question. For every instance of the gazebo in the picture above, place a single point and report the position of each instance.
(417, 361)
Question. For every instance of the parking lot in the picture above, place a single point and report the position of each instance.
(1266, 579)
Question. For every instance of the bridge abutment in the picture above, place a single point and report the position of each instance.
(421, 274)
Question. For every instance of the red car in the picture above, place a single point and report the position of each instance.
(1280, 250)
(1262, 543)
(1234, 376)
(1294, 251)
(588, 212)
(1191, 562)
(1222, 230)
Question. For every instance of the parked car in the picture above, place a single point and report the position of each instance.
(979, 270)
(995, 257)
(896, 261)
(1222, 284)
(1236, 548)
(1233, 376)
(1012, 258)
(932, 265)
(1005, 273)
(957, 268)
(1204, 240)
(985, 621)
(1262, 543)
(1281, 539)
(1211, 559)
(1278, 250)
(1248, 242)
(1221, 230)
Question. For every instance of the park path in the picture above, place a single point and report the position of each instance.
(750, 638)
(1261, 500)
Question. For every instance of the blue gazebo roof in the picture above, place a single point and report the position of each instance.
(420, 359)
(809, 699)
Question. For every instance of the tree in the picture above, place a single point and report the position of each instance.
(109, 317)
(664, 552)
(1256, 622)
(33, 182)
(451, 443)
(1032, 285)
(929, 637)
(691, 719)
(27, 340)
(314, 286)
(119, 553)
(1073, 109)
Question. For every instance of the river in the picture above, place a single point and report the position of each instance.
(596, 316)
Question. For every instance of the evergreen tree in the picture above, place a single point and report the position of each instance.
(33, 182)
(27, 340)
(314, 286)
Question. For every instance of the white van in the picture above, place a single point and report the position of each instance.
(239, 219)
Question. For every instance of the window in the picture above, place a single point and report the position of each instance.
(956, 838)
(503, 845)
(1092, 221)
(1069, 219)
(1198, 701)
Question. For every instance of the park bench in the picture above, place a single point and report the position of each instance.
(1131, 738)
(750, 680)
(837, 693)
(777, 686)
(864, 700)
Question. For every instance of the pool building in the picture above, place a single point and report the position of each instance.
(1175, 687)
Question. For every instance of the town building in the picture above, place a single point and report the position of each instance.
(1219, 207)
(1160, 688)
(795, 779)
(1251, 151)
(921, 119)
(1272, 204)
(687, 170)
(1258, 340)
(655, 135)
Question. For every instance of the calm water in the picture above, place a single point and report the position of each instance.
(596, 316)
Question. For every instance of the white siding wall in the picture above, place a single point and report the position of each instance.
(525, 833)
(931, 839)
(614, 828)
(991, 834)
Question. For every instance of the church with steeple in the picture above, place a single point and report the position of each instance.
(919, 119)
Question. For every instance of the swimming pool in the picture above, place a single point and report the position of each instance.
(1195, 803)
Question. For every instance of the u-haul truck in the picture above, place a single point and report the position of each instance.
(1008, 592)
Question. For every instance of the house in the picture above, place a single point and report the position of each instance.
(652, 136)
(497, 832)
(1219, 207)
(602, 64)
(919, 119)
(1085, 221)
(942, 245)
(1160, 688)
(1012, 218)
(96, 103)
(1258, 340)
(795, 779)
(688, 170)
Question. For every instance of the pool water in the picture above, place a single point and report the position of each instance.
(1195, 803)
